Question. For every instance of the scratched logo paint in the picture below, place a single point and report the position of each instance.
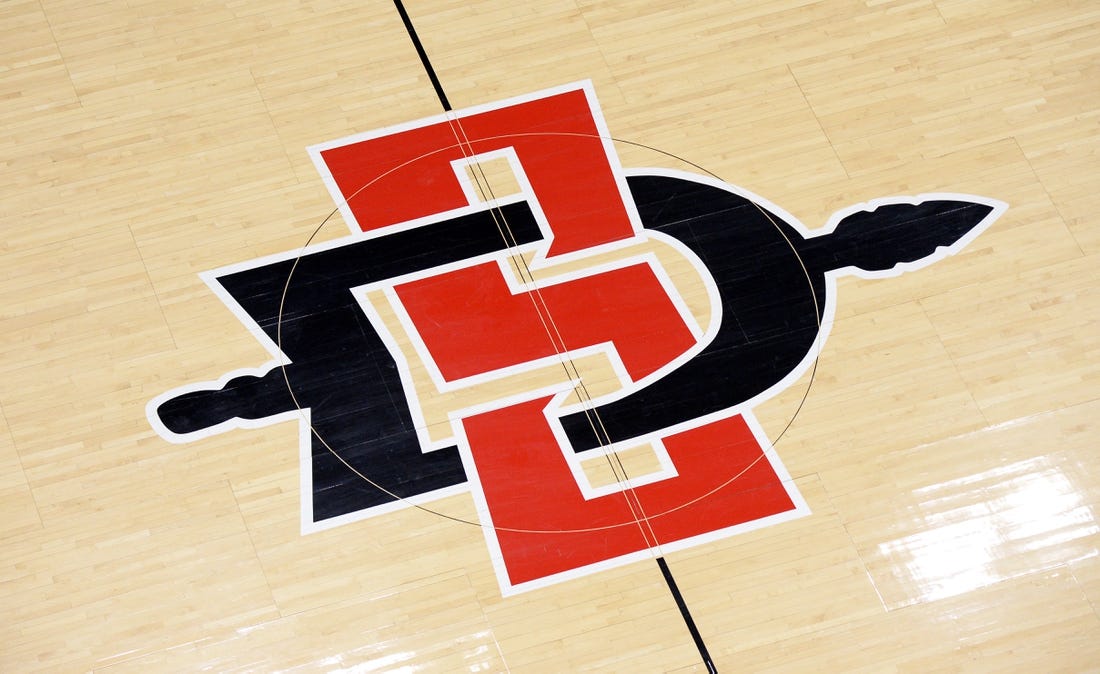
(502, 342)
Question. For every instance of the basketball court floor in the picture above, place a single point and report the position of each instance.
(550, 336)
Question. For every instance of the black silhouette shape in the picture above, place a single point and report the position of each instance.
(770, 279)
(772, 286)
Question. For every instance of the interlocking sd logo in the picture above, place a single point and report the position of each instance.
(515, 313)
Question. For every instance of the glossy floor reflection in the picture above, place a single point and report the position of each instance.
(973, 527)
(1017, 517)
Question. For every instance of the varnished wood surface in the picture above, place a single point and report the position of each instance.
(947, 447)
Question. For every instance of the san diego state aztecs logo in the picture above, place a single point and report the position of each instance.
(506, 341)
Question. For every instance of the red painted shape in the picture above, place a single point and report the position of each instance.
(472, 323)
(528, 486)
(556, 139)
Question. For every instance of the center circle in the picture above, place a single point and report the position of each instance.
(782, 248)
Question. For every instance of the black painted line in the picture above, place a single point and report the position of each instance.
(682, 605)
(669, 580)
(423, 55)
